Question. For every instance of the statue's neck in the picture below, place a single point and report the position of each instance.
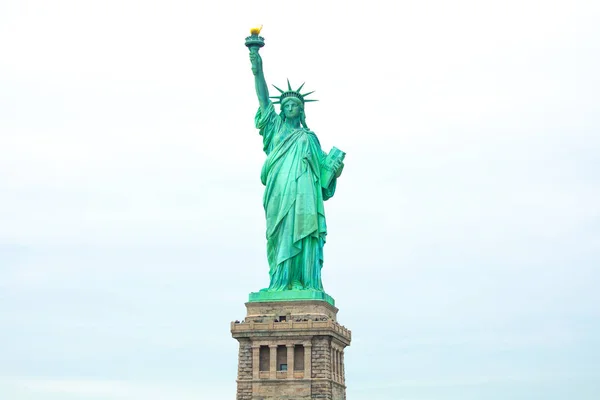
(293, 123)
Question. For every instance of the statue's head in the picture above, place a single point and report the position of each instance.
(292, 107)
(292, 103)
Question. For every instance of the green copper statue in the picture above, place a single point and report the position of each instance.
(298, 176)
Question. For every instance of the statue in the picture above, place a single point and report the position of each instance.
(298, 177)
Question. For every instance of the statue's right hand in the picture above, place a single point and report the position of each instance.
(256, 61)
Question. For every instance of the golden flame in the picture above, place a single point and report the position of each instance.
(256, 30)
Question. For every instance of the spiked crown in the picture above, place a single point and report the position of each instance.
(284, 94)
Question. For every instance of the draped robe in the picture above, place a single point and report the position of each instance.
(293, 203)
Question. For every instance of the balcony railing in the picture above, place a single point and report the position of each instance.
(291, 325)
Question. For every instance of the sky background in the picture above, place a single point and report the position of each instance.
(464, 236)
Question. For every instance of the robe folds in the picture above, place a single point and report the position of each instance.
(293, 203)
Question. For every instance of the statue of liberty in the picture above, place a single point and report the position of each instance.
(298, 177)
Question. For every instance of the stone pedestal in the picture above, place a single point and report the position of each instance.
(292, 350)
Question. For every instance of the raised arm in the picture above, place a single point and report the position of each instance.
(262, 92)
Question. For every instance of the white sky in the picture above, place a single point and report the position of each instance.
(464, 237)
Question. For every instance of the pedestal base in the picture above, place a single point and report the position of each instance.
(291, 349)
(291, 295)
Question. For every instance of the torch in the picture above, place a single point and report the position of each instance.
(255, 42)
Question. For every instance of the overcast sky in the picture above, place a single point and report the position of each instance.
(464, 237)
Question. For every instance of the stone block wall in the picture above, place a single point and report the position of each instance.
(339, 391)
(244, 387)
(321, 368)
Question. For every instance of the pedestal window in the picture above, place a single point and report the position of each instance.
(281, 358)
(298, 357)
(264, 357)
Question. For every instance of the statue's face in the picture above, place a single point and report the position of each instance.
(292, 108)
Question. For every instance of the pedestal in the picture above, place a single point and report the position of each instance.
(291, 350)
(291, 295)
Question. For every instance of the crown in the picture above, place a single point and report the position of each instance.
(291, 93)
